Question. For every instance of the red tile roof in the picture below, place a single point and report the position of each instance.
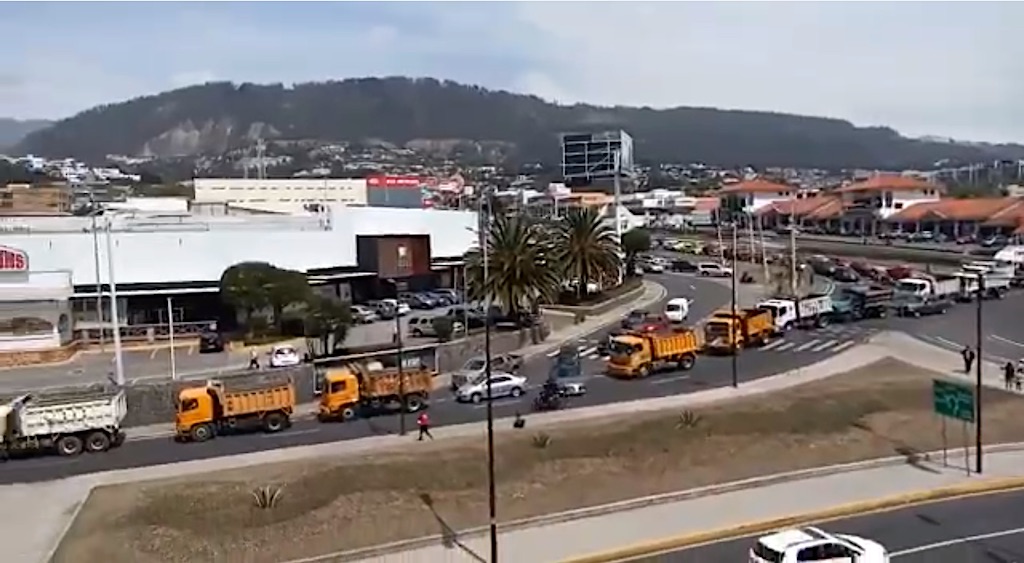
(797, 206)
(707, 204)
(978, 209)
(832, 209)
(756, 186)
(890, 182)
(1010, 216)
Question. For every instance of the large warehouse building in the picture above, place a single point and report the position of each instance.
(52, 267)
(295, 194)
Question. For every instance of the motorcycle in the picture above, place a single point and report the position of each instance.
(549, 399)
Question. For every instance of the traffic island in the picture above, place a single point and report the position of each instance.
(287, 511)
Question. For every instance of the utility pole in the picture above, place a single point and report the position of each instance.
(492, 501)
(115, 321)
(977, 377)
(750, 233)
(718, 234)
(96, 264)
(792, 257)
(764, 255)
(617, 202)
(170, 335)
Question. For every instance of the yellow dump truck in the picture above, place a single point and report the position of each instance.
(356, 390)
(640, 353)
(725, 332)
(214, 408)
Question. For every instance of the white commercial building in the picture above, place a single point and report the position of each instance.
(283, 195)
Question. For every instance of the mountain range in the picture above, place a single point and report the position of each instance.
(12, 131)
(217, 117)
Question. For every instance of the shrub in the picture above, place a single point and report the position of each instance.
(687, 419)
(266, 497)
(444, 327)
(541, 440)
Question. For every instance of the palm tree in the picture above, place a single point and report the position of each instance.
(523, 270)
(589, 250)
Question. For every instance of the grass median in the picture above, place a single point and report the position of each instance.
(327, 505)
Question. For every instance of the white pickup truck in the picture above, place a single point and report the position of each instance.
(924, 285)
(69, 424)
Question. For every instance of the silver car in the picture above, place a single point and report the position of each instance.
(502, 385)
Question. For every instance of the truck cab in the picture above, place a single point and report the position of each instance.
(196, 406)
(340, 396)
(783, 313)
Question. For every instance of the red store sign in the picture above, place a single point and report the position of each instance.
(13, 260)
(394, 181)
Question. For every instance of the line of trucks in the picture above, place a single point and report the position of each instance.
(69, 424)
(639, 353)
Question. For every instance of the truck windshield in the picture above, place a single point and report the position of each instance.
(187, 405)
(716, 329)
(908, 286)
(619, 348)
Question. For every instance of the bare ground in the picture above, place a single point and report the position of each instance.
(328, 505)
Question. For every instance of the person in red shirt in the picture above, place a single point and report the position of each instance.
(423, 421)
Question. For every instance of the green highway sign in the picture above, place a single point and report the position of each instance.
(953, 400)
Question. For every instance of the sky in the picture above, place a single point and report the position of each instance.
(950, 69)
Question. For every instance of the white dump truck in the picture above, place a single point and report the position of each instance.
(814, 310)
(68, 423)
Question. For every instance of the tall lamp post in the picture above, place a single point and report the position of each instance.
(115, 319)
(484, 233)
(735, 323)
(400, 360)
(977, 377)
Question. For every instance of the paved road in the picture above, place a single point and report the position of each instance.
(988, 528)
(1001, 329)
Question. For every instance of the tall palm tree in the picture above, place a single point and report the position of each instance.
(523, 270)
(589, 250)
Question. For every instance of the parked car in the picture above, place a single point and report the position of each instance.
(713, 270)
(475, 367)
(966, 239)
(400, 307)
(451, 295)
(995, 241)
(363, 315)
(440, 299)
(210, 341)
(845, 275)
(384, 311)
(283, 356)
(424, 326)
(683, 266)
(501, 385)
(921, 236)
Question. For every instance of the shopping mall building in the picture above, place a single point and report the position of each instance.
(52, 269)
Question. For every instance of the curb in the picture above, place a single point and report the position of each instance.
(842, 511)
(654, 500)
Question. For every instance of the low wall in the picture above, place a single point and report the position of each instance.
(23, 358)
(599, 308)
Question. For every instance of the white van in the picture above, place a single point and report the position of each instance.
(677, 309)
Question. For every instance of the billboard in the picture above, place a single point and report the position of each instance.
(399, 182)
(590, 156)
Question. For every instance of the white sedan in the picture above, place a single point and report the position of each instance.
(284, 356)
(502, 385)
(815, 544)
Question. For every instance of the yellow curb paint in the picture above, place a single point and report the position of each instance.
(842, 511)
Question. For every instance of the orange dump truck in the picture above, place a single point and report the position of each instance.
(356, 390)
(205, 411)
(725, 332)
(638, 354)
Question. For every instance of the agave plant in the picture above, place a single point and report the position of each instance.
(687, 419)
(541, 440)
(266, 497)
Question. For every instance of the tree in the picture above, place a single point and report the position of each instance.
(326, 322)
(523, 265)
(635, 241)
(253, 286)
(588, 251)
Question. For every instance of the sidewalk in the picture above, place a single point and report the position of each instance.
(559, 541)
(652, 294)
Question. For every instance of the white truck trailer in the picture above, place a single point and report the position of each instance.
(69, 423)
(814, 310)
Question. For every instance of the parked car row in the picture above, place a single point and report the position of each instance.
(388, 309)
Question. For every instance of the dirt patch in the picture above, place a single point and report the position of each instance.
(328, 505)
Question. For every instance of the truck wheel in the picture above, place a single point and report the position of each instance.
(201, 433)
(822, 322)
(413, 403)
(644, 371)
(347, 414)
(275, 422)
(97, 442)
(118, 440)
(687, 361)
(69, 446)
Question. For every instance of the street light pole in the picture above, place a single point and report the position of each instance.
(115, 321)
(735, 319)
(170, 334)
(401, 368)
(484, 233)
(96, 264)
(977, 378)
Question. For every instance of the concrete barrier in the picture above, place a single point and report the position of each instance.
(599, 308)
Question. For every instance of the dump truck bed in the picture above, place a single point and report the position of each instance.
(385, 383)
(70, 413)
(240, 401)
(669, 344)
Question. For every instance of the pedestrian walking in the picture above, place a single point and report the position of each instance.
(969, 356)
(254, 359)
(423, 421)
(1009, 375)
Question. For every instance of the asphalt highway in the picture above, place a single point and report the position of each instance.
(986, 528)
(798, 348)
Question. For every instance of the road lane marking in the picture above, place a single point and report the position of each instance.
(152, 353)
(291, 433)
(957, 541)
(673, 379)
(785, 346)
(807, 345)
(1006, 340)
(191, 350)
(823, 346)
(774, 344)
(552, 353)
(948, 342)
(589, 352)
(844, 346)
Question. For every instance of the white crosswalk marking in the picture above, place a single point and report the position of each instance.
(773, 345)
(552, 354)
(807, 345)
(589, 352)
(785, 346)
(824, 346)
(844, 346)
